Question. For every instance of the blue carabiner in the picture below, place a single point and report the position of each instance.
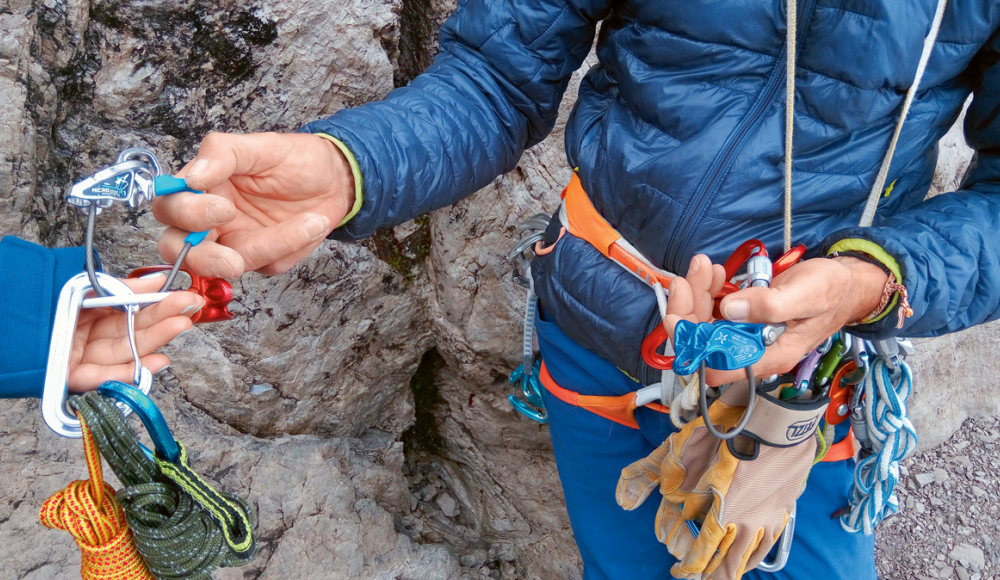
(144, 407)
(167, 185)
(531, 388)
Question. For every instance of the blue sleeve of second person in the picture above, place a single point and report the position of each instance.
(31, 278)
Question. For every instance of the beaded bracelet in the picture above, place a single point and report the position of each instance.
(891, 288)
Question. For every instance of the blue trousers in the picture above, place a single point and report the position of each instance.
(620, 545)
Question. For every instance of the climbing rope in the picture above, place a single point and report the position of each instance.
(88, 511)
(873, 497)
(176, 537)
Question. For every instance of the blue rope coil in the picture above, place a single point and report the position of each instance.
(873, 497)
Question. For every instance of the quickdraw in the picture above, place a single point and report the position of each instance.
(526, 376)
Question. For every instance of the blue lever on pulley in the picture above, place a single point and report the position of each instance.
(167, 185)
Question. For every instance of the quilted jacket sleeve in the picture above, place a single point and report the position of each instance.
(31, 278)
(948, 247)
(493, 91)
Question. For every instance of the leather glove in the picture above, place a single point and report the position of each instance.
(745, 493)
(679, 463)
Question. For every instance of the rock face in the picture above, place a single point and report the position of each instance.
(359, 400)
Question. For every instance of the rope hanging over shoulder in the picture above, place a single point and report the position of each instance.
(175, 536)
(873, 497)
(88, 511)
(869, 214)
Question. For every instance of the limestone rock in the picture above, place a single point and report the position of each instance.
(969, 555)
(302, 402)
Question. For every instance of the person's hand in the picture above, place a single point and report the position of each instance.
(101, 350)
(692, 297)
(814, 298)
(270, 199)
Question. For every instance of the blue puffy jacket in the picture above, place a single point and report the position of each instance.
(678, 137)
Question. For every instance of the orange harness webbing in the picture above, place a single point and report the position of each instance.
(88, 511)
(619, 409)
(585, 223)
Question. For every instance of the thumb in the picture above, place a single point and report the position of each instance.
(764, 306)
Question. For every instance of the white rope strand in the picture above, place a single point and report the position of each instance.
(791, 24)
(869, 214)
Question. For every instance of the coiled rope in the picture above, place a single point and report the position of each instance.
(873, 497)
(88, 511)
(174, 535)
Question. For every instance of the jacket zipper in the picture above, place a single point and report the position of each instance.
(722, 161)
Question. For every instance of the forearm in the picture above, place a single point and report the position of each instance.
(947, 254)
(493, 91)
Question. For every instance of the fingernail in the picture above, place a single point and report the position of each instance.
(219, 213)
(737, 310)
(695, 264)
(222, 269)
(181, 333)
(153, 275)
(199, 166)
(163, 368)
(192, 309)
(315, 226)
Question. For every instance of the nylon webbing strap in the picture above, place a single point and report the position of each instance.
(235, 524)
(176, 537)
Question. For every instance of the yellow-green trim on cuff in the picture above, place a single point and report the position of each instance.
(355, 169)
(875, 251)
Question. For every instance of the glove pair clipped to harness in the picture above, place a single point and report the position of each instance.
(726, 502)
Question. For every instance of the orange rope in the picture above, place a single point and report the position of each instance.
(87, 510)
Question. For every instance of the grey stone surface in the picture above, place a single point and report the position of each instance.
(301, 404)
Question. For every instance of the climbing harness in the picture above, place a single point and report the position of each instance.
(842, 379)
(181, 526)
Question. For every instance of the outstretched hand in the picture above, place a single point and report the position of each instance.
(814, 298)
(270, 199)
(101, 350)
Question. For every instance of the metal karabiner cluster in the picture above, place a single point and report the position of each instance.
(181, 525)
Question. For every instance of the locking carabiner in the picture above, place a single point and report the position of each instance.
(753, 253)
(72, 299)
